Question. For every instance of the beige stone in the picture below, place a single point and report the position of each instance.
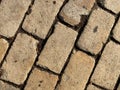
(116, 31)
(11, 15)
(20, 59)
(96, 31)
(77, 72)
(113, 5)
(92, 87)
(5, 86)
(40, 80)
(3, 48)
(108, 68)
(42, 17)
(72, 11)
(57, 48)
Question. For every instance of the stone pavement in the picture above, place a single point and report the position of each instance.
(59, 45)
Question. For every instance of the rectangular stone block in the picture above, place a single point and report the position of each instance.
(19, 59)
(74, 9)
(108, 68)
(96, 31)
(3, 48)
(11, 15)
(42, 16)
(5, 86)
(41, 80)
(77, 72)
(57, 48)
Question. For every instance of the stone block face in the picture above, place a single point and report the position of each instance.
(5, 86)
(40, 80)
(20, 59)
(108, 68)
(116, 31)
(3, 48)
(77, 72)
(11, 15)
(74, 9)
(57, 48)
(96, 31)
(113, 5)
(43, 14)
(92, 87)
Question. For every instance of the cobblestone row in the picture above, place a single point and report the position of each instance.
(40, 49)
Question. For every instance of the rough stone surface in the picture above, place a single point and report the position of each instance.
(116, 31)
(92, 87)
(40, 20)
(3, 48)
(113, 5)
(108, 68)
(96, 32)
(77, 72)
(5, 86)
(57, 48)
(20, 59)
(40, 80)
(11, 15)
(73, 10)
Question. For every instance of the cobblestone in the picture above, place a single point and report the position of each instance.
(11, 15)
(3, 48)
(5, 86)
(40, 20)
(41, 47)
(74, 9)
(108, 68)
(77, 72)
(112, 5)
(116, 31)
(40, 80)
(20, 59)
(96, 32)
(57, 49)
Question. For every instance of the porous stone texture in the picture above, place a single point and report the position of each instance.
(57, 48)
(96, 31)
(116, 31)
(40, 20)
(41, 80)
(74, 9)
(3, 48)
(92, 87)
(77, 72)
(5, 86)
(113, 5)
(11, 15)
(20, 59)
(108, 67)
